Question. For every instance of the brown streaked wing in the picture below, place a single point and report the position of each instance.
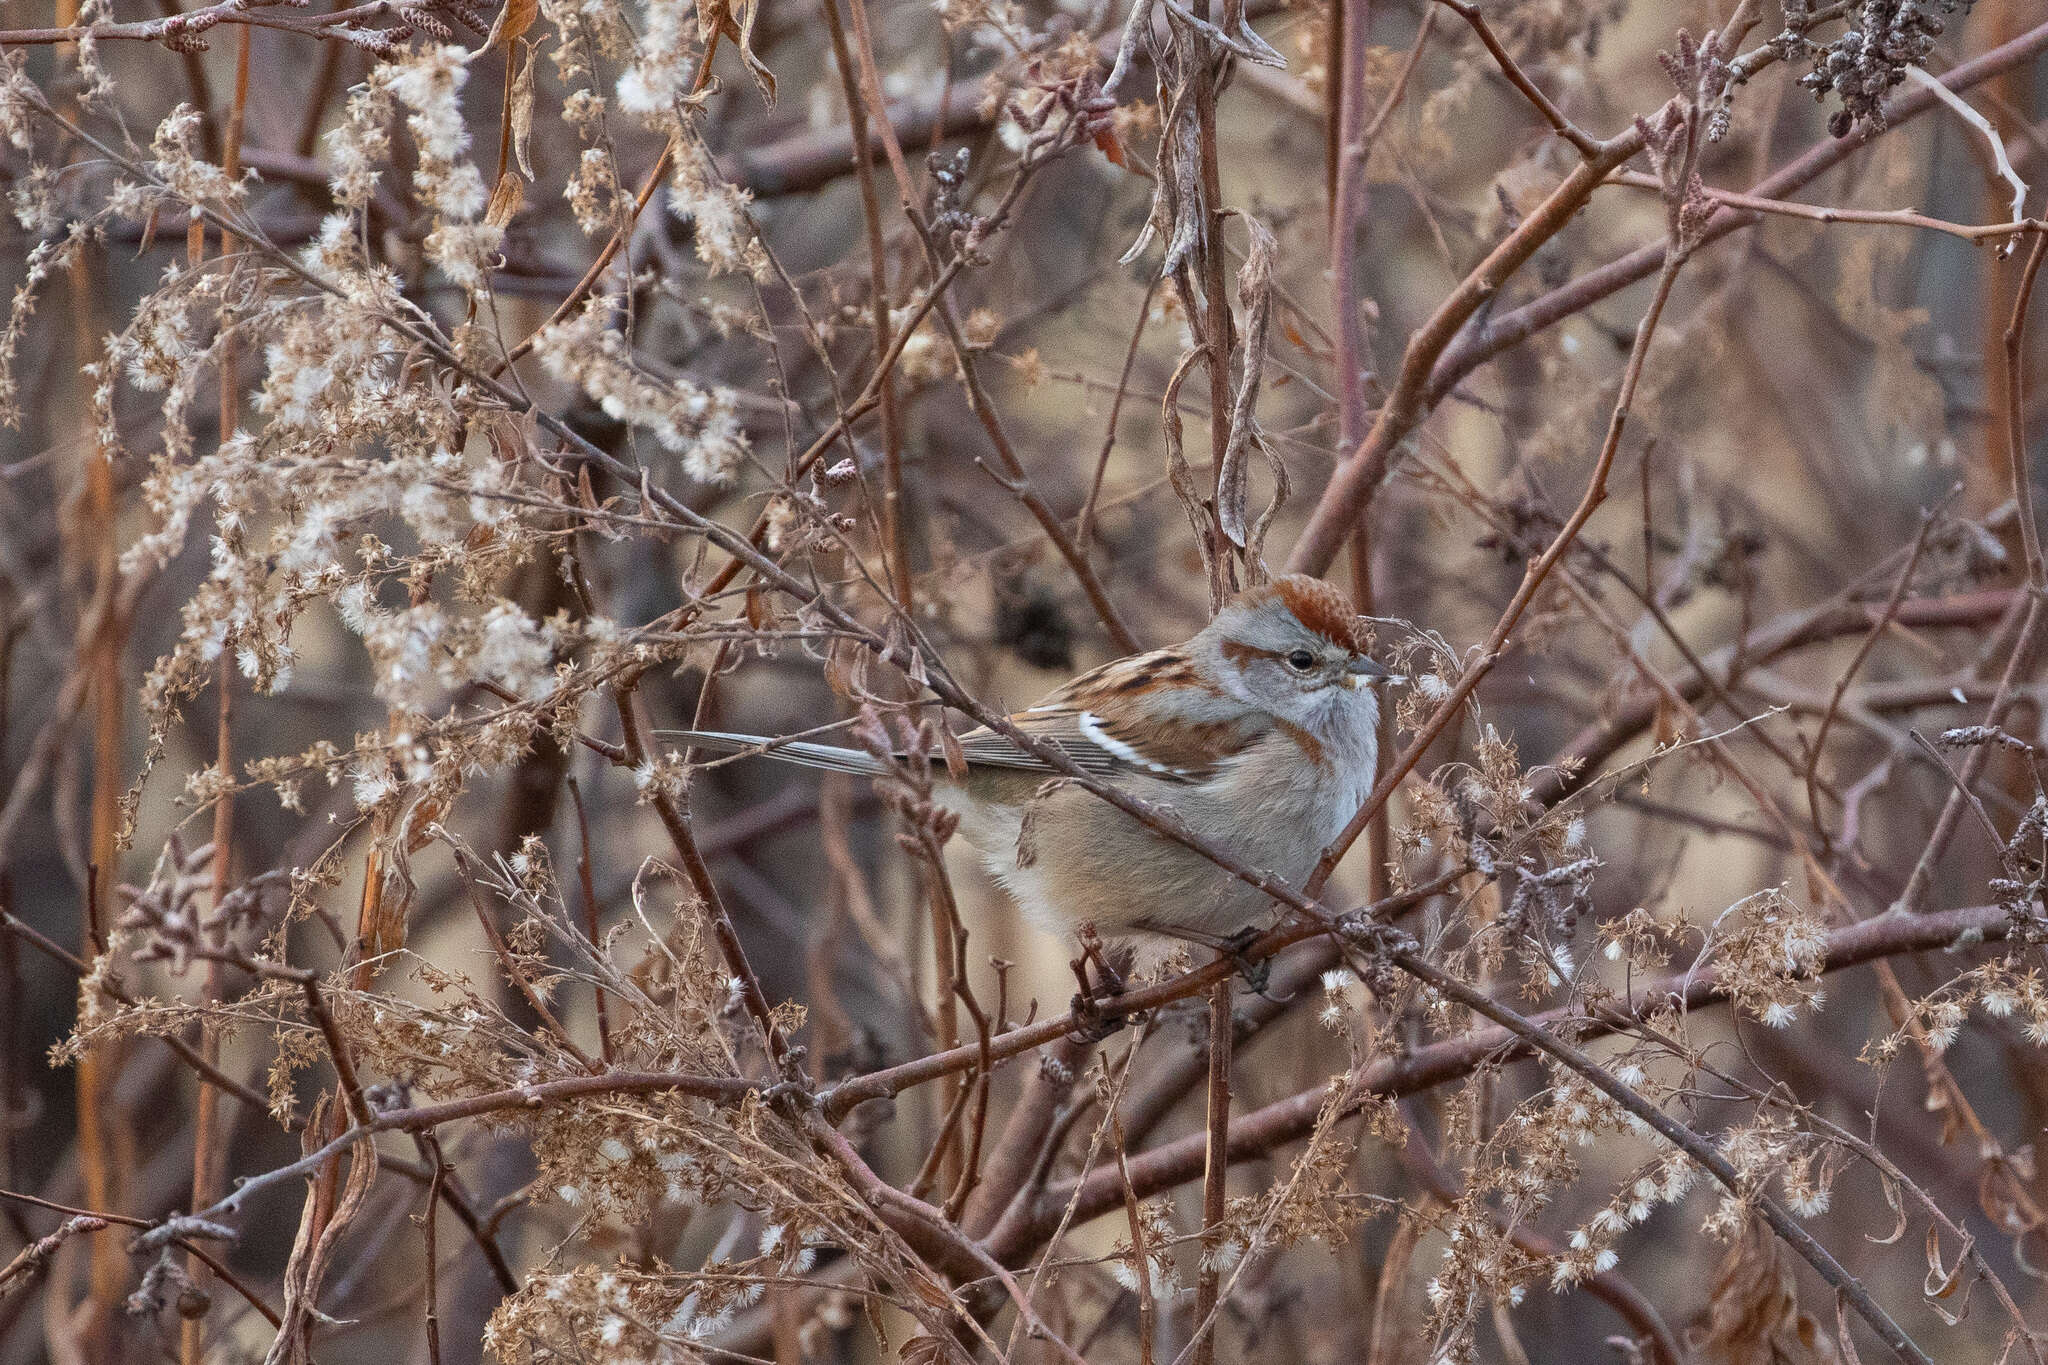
(1172, 750)
(1060, 726)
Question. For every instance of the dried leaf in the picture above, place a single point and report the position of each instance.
(512, 22)
(1182, 478)
(1255, 295)
(507, 196)
(956, 757)
(522, 114)
(1892, 1200)
(1941, 1282)
(1754, 1317)
(727, 19)
(1842, 1336)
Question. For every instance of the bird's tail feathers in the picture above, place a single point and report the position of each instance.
(831, 757)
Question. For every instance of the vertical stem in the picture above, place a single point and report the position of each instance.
(1989, 480)
(945, 1008)
(209, 1152)
(100, 1165)
(1216, 318)
(1350, 201)
(13, 1097)
(1350, 30)
(432, 1147)
(898, 547)
(590, 921)
(1922, 876)
(1215, 1171)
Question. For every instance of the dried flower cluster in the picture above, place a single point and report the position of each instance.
(418, 427)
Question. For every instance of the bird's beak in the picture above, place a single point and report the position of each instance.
(1364, 672)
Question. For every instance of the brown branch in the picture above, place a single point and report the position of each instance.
(1610, 1287)
(1579, 759)
(183, 1243)
(1443, 351)
(1825, 213)
(2036, 585)
(1505, 330)
(1702, 1151)
(1448, 710)
(616, 243)
(1257, 1134)
(1215, 1174)
(190, 24)
(1588, 146)
(472, 873)
(188, 1054)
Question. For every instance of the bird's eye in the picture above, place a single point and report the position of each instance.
(1301, 661)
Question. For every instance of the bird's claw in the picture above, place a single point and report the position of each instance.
(1099, 989)
(1256, 975)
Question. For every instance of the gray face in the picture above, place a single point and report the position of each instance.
(1272, 661)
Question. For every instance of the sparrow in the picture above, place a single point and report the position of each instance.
(1261, 734)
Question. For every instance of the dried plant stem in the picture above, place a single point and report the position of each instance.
(1477, 345)
(1918, 882)
(1012, 475)
(1217, 337)
(1259, 1132)
(1351, 487)
(1848, 674)
(1215, 1174)
(431, 1150)
(209, 1151)
(591, 928)
(1141, 1254)
(1827, 213)
(1443, 351)
(1788, 1228)
(472, 872)
(104, 1145)
(1612, 1289)
(186, 1244)
(1533, 578)
(208, 1072)
(896, 532)
(1588, 146)
(1383, 1346)
(614, 244)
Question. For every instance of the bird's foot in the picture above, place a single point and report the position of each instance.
(1096, 1017)
(1255, 975)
